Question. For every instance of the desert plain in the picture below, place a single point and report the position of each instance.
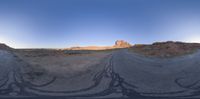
(162, 70)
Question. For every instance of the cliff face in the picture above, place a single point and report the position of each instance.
(122, 44)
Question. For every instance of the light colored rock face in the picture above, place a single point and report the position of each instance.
(122, 44)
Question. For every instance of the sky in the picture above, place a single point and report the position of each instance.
(67, 23)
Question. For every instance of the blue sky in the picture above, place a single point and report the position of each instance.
(65, 23)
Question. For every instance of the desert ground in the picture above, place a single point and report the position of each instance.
(158, 71)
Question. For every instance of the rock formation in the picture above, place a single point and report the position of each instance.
(118, 44)
(122, 44)
(4, 47)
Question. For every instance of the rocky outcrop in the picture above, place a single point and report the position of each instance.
(4, 47)
(122, 44)
(167, 49)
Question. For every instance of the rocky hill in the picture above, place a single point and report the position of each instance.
(166, 49)
(4, 47)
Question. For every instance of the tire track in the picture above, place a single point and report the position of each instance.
(14, 84)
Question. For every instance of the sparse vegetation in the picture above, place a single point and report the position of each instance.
(166, 49)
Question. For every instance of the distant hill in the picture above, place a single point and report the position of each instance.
(91, 48)
(118, 44)
(4, 47)
(166, 49)
(158, 49)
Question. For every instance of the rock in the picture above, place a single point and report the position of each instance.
(122, 44)
(4, 47)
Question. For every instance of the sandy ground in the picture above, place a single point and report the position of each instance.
(155, 75)
(72, 72)
(63, 65)
(117, 74)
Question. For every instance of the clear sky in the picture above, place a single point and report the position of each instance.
(65, 23)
